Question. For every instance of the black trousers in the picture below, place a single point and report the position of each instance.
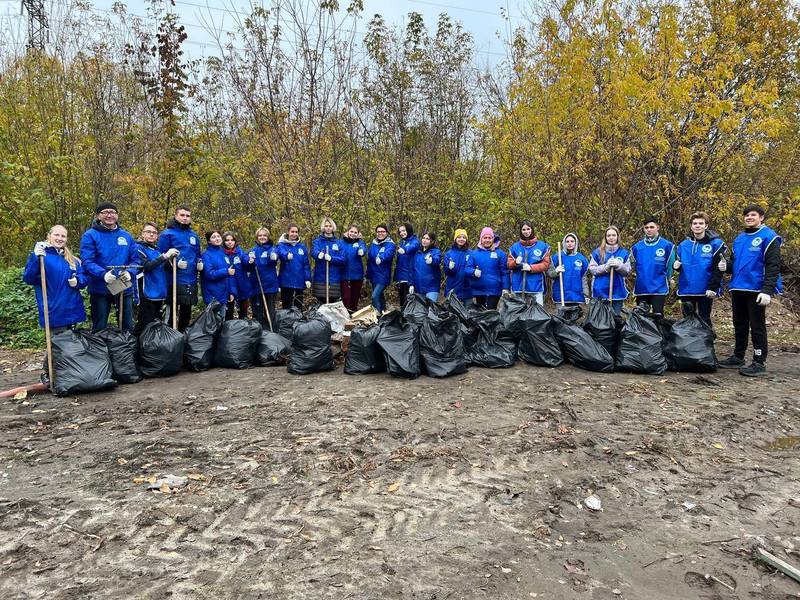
(487, 301)
(656, 302)
(184, 314)
(402, 291)
(749, 319)
(292, 297)
(700, 305)
(149, 311)
(258, 308)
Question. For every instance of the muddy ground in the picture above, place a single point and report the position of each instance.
(331, 486)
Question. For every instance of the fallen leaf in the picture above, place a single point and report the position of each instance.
(393, 487)
(122, 461)
(164, 488)
(196, 477)
(457, 403)
(718, 445)
(21, 395)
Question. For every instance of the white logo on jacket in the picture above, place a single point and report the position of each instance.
(264, 254)
(578, 264)
(756, 241)
(121, 241)
(537, 253)
(300, 251)
(493, 255)
(193, 240)
(237, 260)
(660, 252)
(706, 248)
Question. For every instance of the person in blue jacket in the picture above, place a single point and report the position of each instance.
(328, 252)
(573, 268)
(353, 270)
(755, 268)
(105, 247)
(427, 277)
(528, 261)
(407, 247)
(610, 260)
(295, 272)
(490, 275)
(651, 259)
(696, 260)
(241, 263)
(64, 278)
(264, 276)
(218, 275)
(179, 234)
(151, 280)
(458, 267)
(379, 265)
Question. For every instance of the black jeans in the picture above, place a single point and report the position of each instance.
(700, 305)
(749, 319)
(402, 292)
(656, 302)
(184, 314)
(149, 311)
(258, 308)
(487, 301)
(292, 297)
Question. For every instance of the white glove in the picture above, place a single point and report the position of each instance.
(73, 281)
(477, 272)
(199, 265)
(355, 244)
(711, 294)
(401, 251)
(289, 256)
(231, 271)
(677, 264)
(109, 277)
(361, 252)
(328, 257)
(125, 277)
(377, 260)
(39, 248)
(587, 300)
(321, 255)
(411, 289)
(526, 267)
(518, 260)
(722, 265)
(612, 263)
(182, 263)
(273, 256)
(560, 269)
(251, 256)
(308, 285)
(171, 253)
(763, 299)
(451, 265)
(428, 259)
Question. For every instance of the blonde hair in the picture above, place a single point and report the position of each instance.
(68, 255)
(327, 220)
(265, 230)
(603, 242)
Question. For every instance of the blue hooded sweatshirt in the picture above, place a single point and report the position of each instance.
(240, 261)
(64, 303)
(335, 248)
(427, 277)
(152, 276)
(267, 264)
(185, 240)
(493, 269)
(101, 248)
(460, 277)
(404, 270)
(353, 269)
(295, 271)
(218, 284)
(380, 273)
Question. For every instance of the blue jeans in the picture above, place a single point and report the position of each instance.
(378, 301)
(101, 304)
(432, 296)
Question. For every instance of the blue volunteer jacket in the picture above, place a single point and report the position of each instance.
(404, 271)
(267, 264)
(217, 283)
(427, 277)
(240, 261)
(185, 240)
(152, 276)
(601, 282)
(459, 278)
(380, 273)
(653, 267)
(295, 271)
(698, 265)
(575, 267)
(353, 269)
(533, 254)
(100, 248)
(749, 251)
(64, 303)
(494, 272)
(335, 248)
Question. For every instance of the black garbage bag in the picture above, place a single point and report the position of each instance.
(122, 350)
(690, 346)
(311, 346)
(237, 344)
(537, 339)
(81, 363)
(495, 347)
(441, 345)
(641, 345)
(578, 347)
(416, 309)
(160, 350)
(198, 348)
(399, 341)
(603, 325)
(512, 307)
(285, 318)
(469, 331)
(273, 349)
(364, 354)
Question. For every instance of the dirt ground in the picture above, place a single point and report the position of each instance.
(331, 486)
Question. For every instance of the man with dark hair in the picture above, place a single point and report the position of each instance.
(755, 269)
(105, 247)
(179, 235)
(651, 258)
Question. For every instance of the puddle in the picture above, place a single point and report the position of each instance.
(789, 442)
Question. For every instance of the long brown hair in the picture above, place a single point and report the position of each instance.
(68, 255)
(603, 242)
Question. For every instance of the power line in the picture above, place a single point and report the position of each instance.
(465, 9)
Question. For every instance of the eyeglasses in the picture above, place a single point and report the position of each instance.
(150, 232)
(107, 212)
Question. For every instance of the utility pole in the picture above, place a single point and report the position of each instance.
(37, 24)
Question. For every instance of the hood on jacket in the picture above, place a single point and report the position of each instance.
(386, 239)
(709, 235)
(284, 240)
(147, 244)
(173, 224)
(96, 224)
(564, 243)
